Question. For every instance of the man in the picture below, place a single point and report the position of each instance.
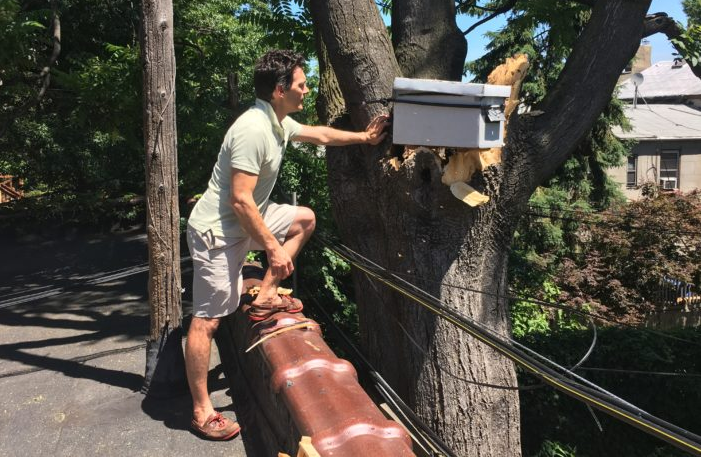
(234, 216)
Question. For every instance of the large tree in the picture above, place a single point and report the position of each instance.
(409, 222)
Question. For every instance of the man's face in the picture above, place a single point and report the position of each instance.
(294, 96)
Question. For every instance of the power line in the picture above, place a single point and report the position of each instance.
(473, 382)
(557, 305)
(633, 372)
(558, 377)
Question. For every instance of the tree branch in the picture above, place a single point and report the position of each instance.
(585, 85)
(503, 9)
(661, 22)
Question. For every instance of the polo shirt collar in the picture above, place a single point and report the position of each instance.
(268, 110)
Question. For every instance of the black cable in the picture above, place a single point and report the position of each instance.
(557, 305)
(460, 317)
(473, 382)
(565, 381)
(634, 372)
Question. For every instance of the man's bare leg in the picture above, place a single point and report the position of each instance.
(299, 233)
(197, 365)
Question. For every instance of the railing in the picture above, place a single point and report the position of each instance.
(8, 190)
(677, 295)
(677, 305)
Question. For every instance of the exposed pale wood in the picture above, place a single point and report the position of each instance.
(306, 447)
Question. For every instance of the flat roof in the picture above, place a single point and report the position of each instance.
(661, 122)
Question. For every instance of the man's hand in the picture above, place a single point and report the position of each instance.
(375, 129)
(279, 262)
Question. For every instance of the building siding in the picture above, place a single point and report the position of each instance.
(648, 165)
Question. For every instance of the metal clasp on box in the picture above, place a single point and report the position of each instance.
(493, 113)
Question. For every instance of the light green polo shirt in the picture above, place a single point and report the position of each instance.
(255, 143)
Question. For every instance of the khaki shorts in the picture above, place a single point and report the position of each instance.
(217, 262)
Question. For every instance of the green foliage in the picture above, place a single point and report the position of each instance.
(688, 44)
(692, 11)
(547, 414)
(625, 254)
(86, 134)
(532, 318)
(554, 448)
(89, 211)
(212, 46)
(286, 24)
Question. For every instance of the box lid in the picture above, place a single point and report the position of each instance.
(406, 85)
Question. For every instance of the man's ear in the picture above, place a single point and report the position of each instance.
(279, 91)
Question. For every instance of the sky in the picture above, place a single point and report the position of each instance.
(661, 49)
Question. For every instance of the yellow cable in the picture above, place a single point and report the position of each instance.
(516, 358)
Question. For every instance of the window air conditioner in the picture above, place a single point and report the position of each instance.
(670, 184)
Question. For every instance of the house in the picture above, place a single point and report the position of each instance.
(664, 113)
(664, 82)
(667, 150)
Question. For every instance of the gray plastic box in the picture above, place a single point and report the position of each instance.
(448, 113)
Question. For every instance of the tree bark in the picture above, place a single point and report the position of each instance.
(408, 221)
(427, 41)
(165, 368)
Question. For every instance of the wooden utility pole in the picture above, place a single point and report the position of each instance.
(165, 366)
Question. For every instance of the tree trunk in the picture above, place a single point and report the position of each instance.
(408, 221)
(427, 41)
(165, 367)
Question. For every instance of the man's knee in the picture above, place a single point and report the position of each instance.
(306, 220)
(204, 326)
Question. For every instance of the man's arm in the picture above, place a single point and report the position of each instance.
(245, 209)
(322, 135)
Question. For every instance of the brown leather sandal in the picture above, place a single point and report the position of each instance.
(260, 312)
(217, 427)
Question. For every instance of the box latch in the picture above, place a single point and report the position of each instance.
(494, 113)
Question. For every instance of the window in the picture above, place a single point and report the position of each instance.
(668, 171)
(631, 172)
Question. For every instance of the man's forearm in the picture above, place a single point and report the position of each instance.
(251, 220)
(336, 137)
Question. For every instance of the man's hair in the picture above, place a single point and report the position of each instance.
(273, 68)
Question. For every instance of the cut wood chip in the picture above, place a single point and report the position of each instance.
(464, 192)
(394, 163)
